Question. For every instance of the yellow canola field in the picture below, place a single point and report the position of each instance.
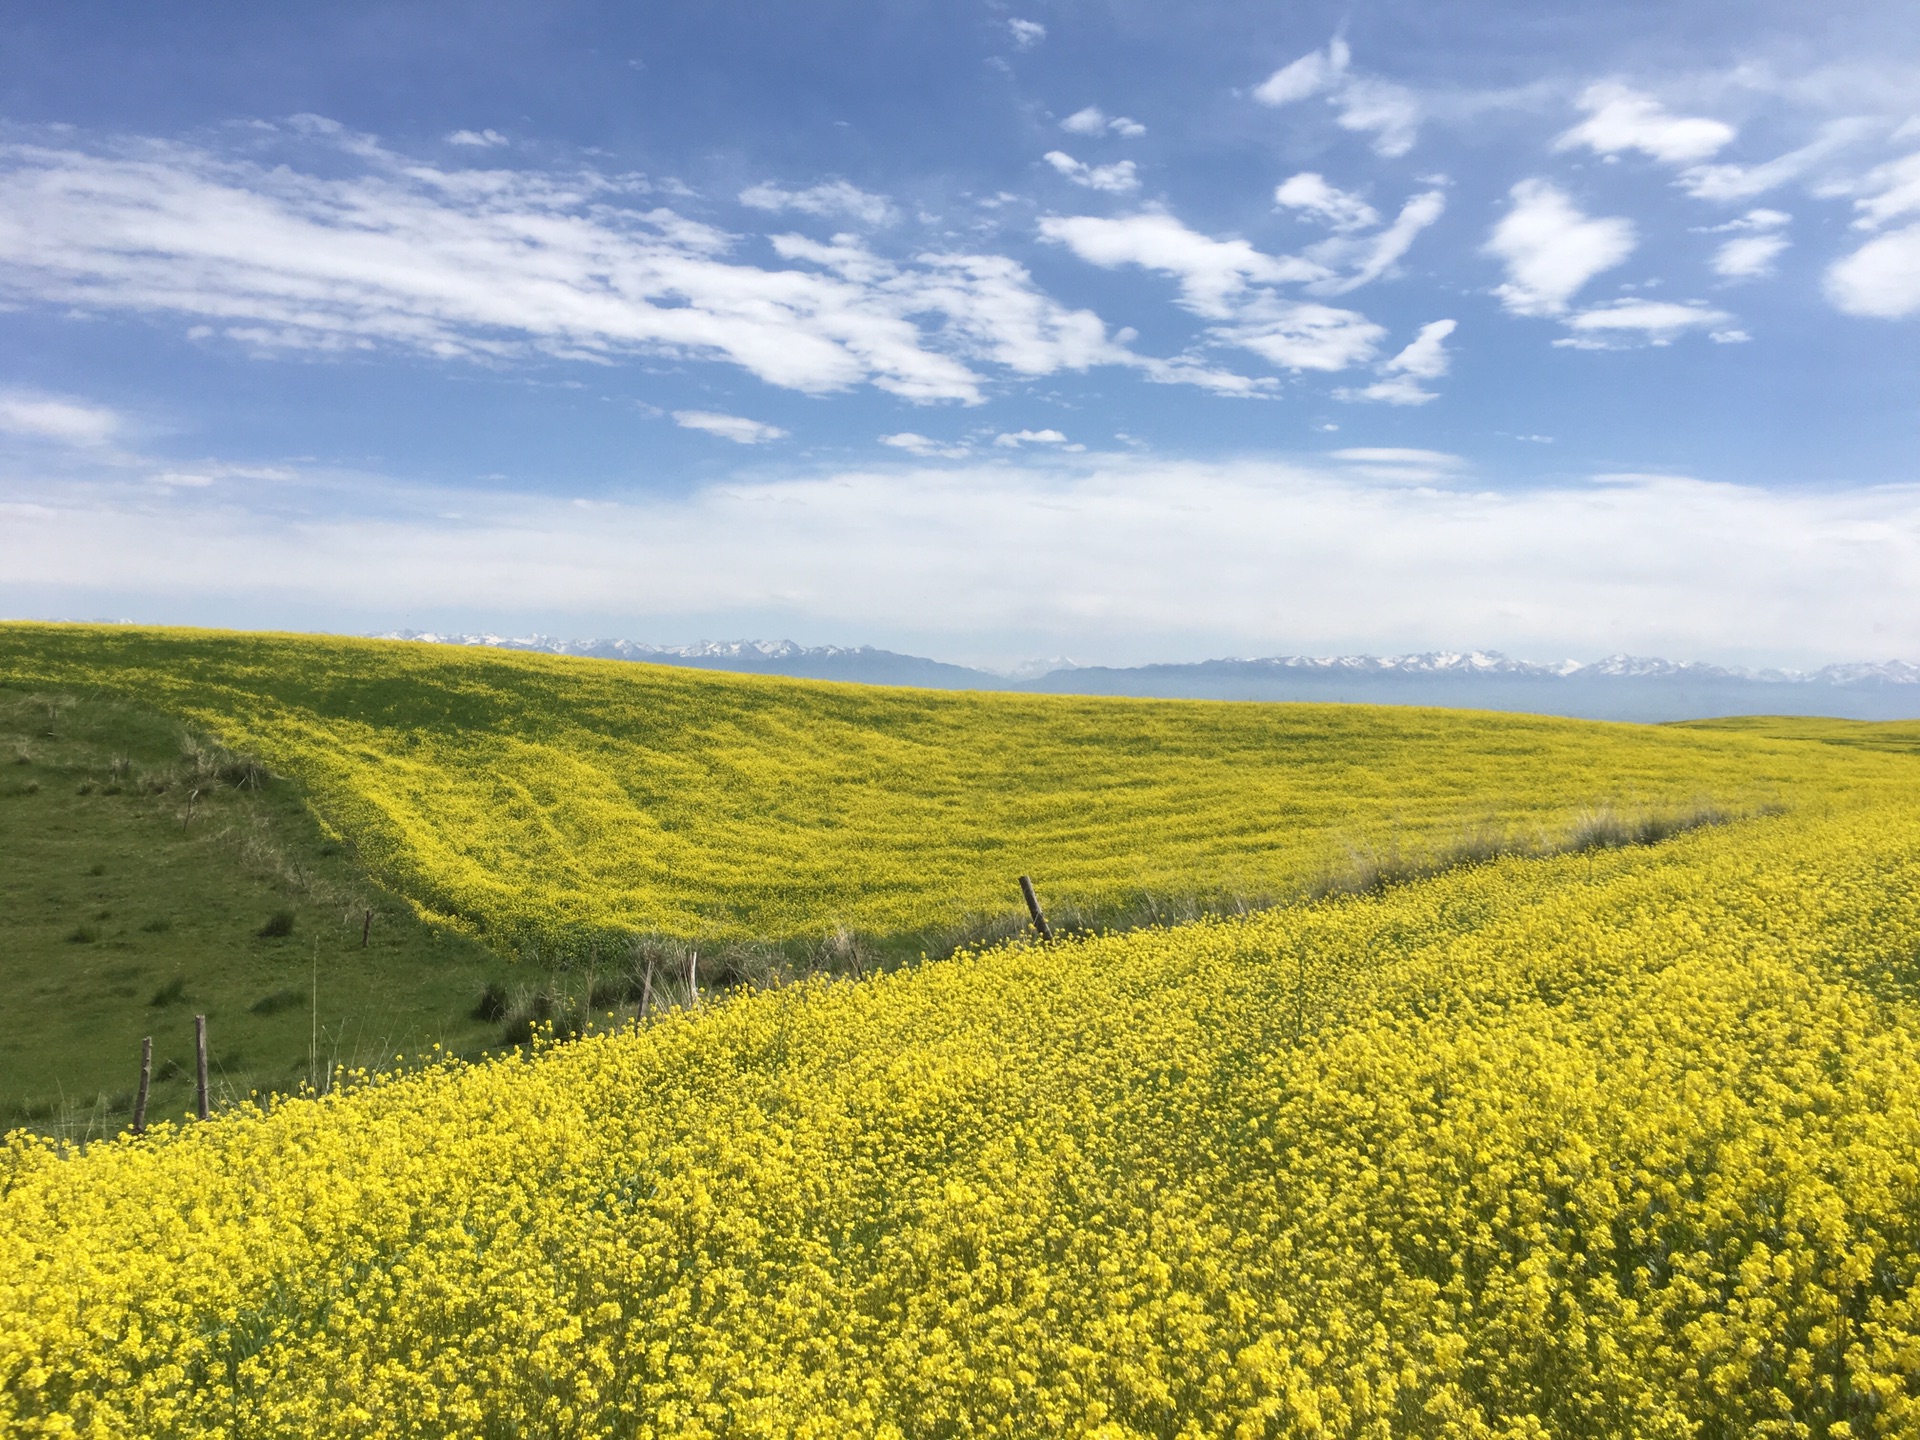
(1615, 1144)
(541, 801)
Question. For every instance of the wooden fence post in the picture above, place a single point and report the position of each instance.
(366, 929)
(1033, 909)
(146, 1081)
(200, 1060)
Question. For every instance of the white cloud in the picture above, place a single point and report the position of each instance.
(495, 265)
(36, 416)
(1650, 322)
(1213, 274)
(1401, 465)
(1014, 439)
(1228, 281)
(1026, 33)
(1390, 244)
(1390, 113)
(1308, 76)
(728, 427)
(834, 197)
(1748, 257)
(1551, 249)
(993, 310)
(1310, 192)
(1116, 179)
(1752, 221)
(1399, 455)
(1301, 335)
(1095, 121)
(211, 472)
(1742, 182)
(1622, 119)
(925, 447)
(1881, 279)
(1109, 557)
(485, 139)
(1424, 359)
(1366, 104)
(1893, 190)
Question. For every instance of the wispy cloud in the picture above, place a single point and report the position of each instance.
(1620, 118)
(926, 447)
(1748, 257)
(34, 415)
(1384, 251)
(1302, 335)
(1231, 282)
(833, 197)
(1401, 465)
(482, 139)
(1095, 121)
(497, 264)
(1014, 439)
(1366, 104)
(1551, 249)
(1743, 182)
(1425, 358)
(728, 427)
(1648, 322)
(1212, 273)
(1310, 192)
(1116, 179)
(1888, 191)
(1026, 33)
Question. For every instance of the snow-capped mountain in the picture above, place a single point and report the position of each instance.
(861, 664)
(1619, 687)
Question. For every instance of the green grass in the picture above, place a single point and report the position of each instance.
(122, 917)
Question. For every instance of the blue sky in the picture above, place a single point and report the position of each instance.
(1119, 331)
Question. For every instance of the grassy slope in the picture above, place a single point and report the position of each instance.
(111, 902)
(538, 799)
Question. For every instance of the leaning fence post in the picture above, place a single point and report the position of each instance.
(200, 1060)
(146, 1080)
(1033, 909)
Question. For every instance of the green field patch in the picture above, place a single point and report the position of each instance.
(142, 863)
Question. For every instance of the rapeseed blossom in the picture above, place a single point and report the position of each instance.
(550, 803)
(1601, 1145)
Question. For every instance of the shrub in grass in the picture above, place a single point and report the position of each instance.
(492, 1004)
(171, 993)
(159, 925)
(279, 924)
(82, 935)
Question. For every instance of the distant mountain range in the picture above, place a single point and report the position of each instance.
(1620, 687)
